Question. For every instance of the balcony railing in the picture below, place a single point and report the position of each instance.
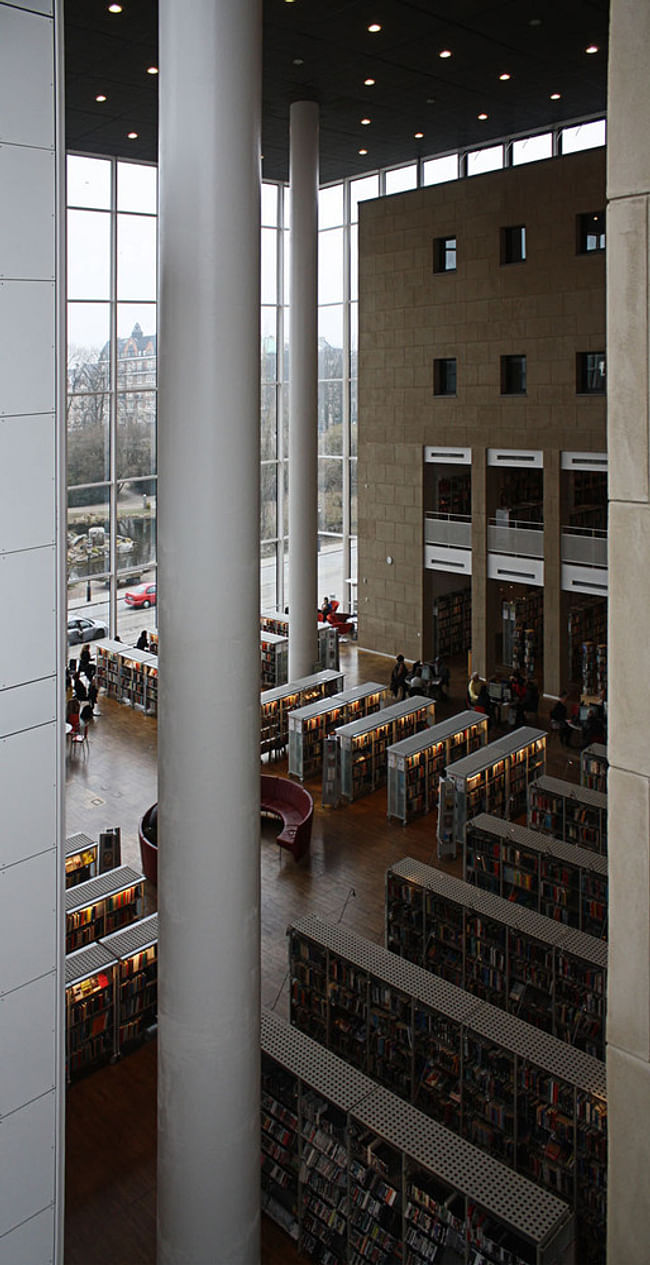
(521, 539)
(586, 546)
(453, 530)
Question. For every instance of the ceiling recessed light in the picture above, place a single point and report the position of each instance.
(504, 76)
(100, 97)
(374, 27)
(298, 61)
(555, 96)
(482, 116)
(132, 136)
(365, 122)
(363, 151)
(115, 8)
(418, 135)
(152, 70)
(535, 22)
(592, 48)
(369, 82)
(446, 52)
(431, 101)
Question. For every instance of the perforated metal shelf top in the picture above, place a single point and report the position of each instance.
(78, 843)
(597, 750)
(365, 724)
(87, 961)
(138, 935)
(304, 683)
(569, 790)
(495, 751)
(325, 1072)
(517, 917)
(548, 1053)
(274, 639)
(324, 705)
(536, 842)
(438, 733)
(95, 889)
(508, 1196)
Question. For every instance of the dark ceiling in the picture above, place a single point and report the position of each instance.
(322, 49)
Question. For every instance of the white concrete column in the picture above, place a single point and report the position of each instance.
(628, 374)
(208, 556)
(303, 390)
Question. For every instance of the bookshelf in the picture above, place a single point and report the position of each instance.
(549, 975)
(363, 744)
(593, 767)
(569, 812)
(101, 905)
(532, 1101)
(492, 780)
(274, 655)
(328, 641)
(130, 676)
(135, 949)
(416, 764)
(276, 704)
(356, 1175)
(587, 623)
(524, 641)
(153, 642)
(80, 859)
(453, 622)
(309, 726)
(89, 1008)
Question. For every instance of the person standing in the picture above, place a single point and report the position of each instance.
(398, 678)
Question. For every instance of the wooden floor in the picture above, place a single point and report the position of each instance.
(111, 1114)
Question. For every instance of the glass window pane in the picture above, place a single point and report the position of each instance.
(585, 136)
(402, 178)
(354, 261)
(330, 494)
(136, 434)
(439, 170)
(269, 266)
(330, 341)
(268, 500)
(330, 417)
(136, 524)
(354, 499)
(89, 182)
(136, 257)
(489, 159)
(136, 346)
(360, 191)
(354, 416)
(286, 206)
(268, 422)
(88, 346)
(137, 188)
(88, 439)
(269, 207)
(284, 475)
(268, 347)
(89, 254)
(330, 206)
(532, 149)
(268, 575)
(286, 266)
(132, 619)
(330, 569)
(285, 420)
(88, 542)
(330, 266)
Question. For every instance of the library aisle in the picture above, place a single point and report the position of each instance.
(111, 1116)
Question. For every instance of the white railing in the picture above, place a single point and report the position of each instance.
(585, 545)
(522, 540)
(453, 530)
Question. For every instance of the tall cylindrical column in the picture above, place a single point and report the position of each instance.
(208, 555)
(303, 391)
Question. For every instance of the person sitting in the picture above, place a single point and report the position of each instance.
(473, 689)
(143, 642)
(326, 607)
(398, 678)
(86, 714)
(414, 682)
(559, 717)
(72, 714)
(593, 729)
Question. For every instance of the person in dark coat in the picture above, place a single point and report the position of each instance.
(398, 678)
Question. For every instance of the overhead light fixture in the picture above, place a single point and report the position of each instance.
(100, 97)
(431, 101)
(374, 27)
(482, 116)
(152, 70)
(592, 48)
(504, 76)
(298, 61)
(418, 135)
(132, 136)
(555, 96)
(369, 82)
(115, 8)
(363, 151)
(446, 52)
(535, 22)
(365, 122)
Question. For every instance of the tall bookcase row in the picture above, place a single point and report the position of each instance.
(362, 746)
(276, 704)
(356, 1175)
(101, 905)
(551, 976)
(274, 657)
(533, 1102)
(569, 812)
(593, 767)
(452, 622)
(111, 995)
(309, 726)
(416, 764)
(130, 676)
(328, 640)
(555, 878)
(81, 858)
(493, 780)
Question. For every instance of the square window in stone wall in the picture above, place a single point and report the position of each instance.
(513, 244)
(513, 375)
(590, 373)
(444, 376)
(444, 254)
(591, 232)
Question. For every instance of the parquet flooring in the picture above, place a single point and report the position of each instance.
(111, 1114)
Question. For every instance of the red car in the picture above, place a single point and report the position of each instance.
(141, 595)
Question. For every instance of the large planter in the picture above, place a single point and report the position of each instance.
(148, 835)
